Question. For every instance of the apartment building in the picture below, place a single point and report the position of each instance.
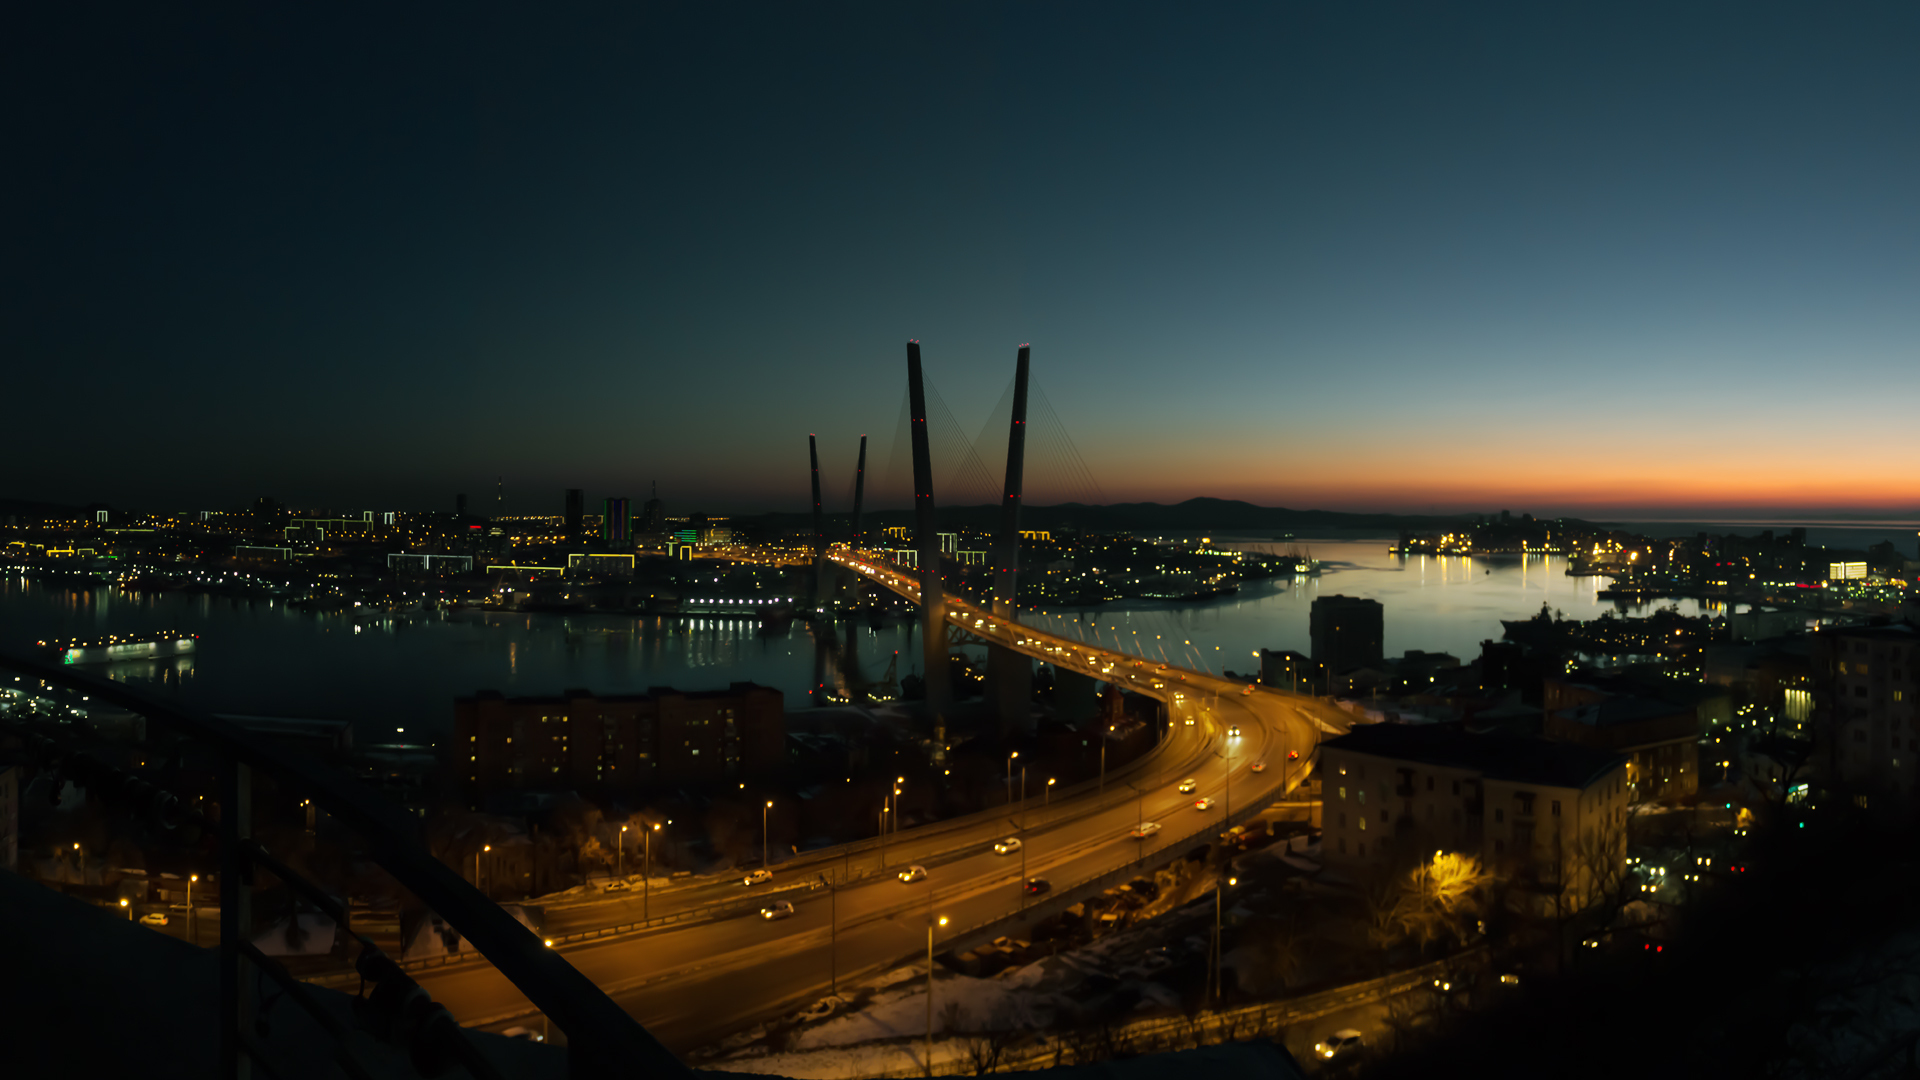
(580, 741)
(1551, 816)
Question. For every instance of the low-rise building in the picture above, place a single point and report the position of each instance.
(1657, 726)
(583, 742)
(1549, 815)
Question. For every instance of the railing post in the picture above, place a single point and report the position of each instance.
(237, 977)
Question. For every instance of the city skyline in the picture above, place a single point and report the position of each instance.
(1596, 262)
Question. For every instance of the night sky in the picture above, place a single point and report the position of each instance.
(1567, 258)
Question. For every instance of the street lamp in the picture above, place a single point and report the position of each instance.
(1214, 986)
(621, 854)
(1010, 758)
(1046, 799)
(192, 936)
(646, 873)
(1103, 758)
(763, 832)
(930, 925)
(476, 864)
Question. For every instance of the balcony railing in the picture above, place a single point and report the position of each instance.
(602, 1040)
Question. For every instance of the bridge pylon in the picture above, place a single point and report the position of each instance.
(859, 492)
(1009, 672)
(926, 537)
(819, 531)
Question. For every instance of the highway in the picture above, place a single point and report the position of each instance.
(693, 982)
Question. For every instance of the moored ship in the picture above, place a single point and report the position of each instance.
(120, 647)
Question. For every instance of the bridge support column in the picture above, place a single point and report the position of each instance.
(926, 536)
(1076, 697)
(1010, 673)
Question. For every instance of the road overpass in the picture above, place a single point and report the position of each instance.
(693, 982)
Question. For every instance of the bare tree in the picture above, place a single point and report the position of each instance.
(984, 1049)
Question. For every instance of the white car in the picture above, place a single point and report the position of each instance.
(912, 874)
(1203, 804)
(1189, 786)
(1344, 1041)
(758, 877)
(154, 918)
(1008, 846)
(1257, 767)
(1146, 829)
(779, 909)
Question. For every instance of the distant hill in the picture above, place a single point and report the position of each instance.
(34, 511)
(1193, 515)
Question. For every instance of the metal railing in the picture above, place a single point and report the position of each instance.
(601, 1038)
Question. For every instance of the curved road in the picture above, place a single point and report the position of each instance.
(694, 982)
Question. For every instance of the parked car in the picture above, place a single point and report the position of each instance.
(1346, 1041)
(823, 1008)
(1037, 885)
(615, 886)
(1258, 766)
(527, 1034)
(1203, 804)
(154, 918)
(1189, 786)
(1146, 829)
(757, 877)
(1008, 846)
(913, 873)
(779, 909)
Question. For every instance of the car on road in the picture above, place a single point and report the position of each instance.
(1247, 691)
(1189, 786)
(615, 886)
(1342, 1042)
(154, 918)
(1037, 885)
(1293, 755)
(779, 909)
(913, 873)
(1203, 803)
(757, 877)
(1008, 846)
(1258, 767)
(1189, 721)
(1233, 732)
(1145, 829)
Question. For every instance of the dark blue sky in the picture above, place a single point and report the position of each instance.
(1575, 258)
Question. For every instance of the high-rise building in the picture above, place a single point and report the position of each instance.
(615, 525)
(576, 510)
(1866, 717)
(1347, 632)
(653, 516)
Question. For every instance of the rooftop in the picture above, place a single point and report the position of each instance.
(1497, 755)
